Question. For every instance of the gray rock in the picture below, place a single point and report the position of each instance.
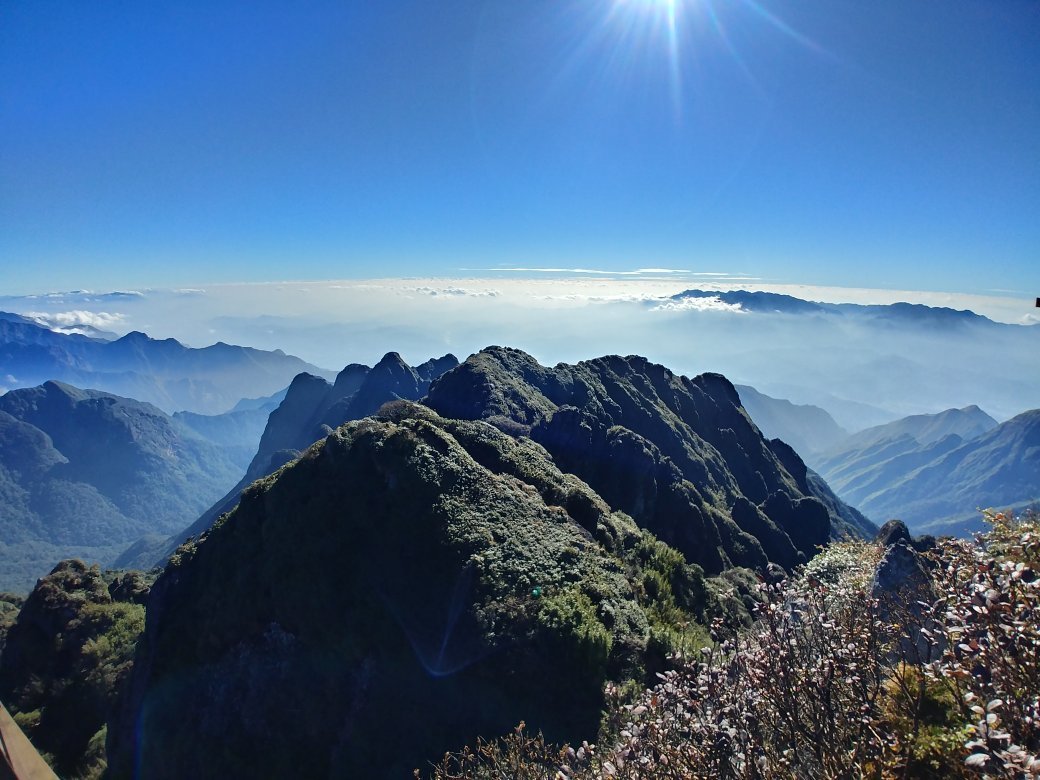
(903, 587)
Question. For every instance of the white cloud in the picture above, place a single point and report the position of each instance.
(455, 292)
(80, 296)
(557, 317)
(68, 321)
(714, 303)
(584, 271)
(577, 297)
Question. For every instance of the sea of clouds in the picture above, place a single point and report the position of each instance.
(861, 373)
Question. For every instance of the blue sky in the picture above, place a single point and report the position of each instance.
(887, 144)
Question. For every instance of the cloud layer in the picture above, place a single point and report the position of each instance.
(838, 364)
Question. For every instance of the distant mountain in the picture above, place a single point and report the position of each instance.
(869, 460)
(84, 473)
(851, 416)
(967, 423)
(865, 364)
(237, 433)
(165, 373)
(776, 303)
(309, 411)
(809, 429)
(268, 402)
(935, 471)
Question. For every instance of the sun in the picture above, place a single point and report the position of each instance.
(656, 17)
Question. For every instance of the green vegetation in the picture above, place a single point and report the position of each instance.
(65, 659)
(679, 456)
(829, 682)
(406, 565)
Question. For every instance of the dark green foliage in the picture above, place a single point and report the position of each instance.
(409, 583)
(310, 410)
(822, 687)
(10, 603)
(679, 455)
(66, 657)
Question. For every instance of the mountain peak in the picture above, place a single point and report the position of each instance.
(349, 379)
(641, 435)
(390, 360)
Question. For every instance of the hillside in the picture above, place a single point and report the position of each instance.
(309, 410)
(961, 462)
(408, 565)
(807, 428)
(165, 373)
(486, 555)
(84, 473)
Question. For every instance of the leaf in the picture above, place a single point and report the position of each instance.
(976, 760)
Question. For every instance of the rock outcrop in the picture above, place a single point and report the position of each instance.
(679, 455)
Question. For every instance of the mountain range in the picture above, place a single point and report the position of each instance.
(309, 410)
(679, 455)
(893, 314)
(935, 472)
(84, 473)
(496, 552)
(865, 364)
(165, 373)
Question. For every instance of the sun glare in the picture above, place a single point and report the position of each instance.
(670, 10)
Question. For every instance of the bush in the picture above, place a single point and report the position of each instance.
(827, 684)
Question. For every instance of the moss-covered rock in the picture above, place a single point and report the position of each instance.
(680, 455)
(409, 584)
(65, 659)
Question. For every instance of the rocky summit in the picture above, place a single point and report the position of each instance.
(680, 455)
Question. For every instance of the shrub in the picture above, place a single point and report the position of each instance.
(825, 683)
(990, 626)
